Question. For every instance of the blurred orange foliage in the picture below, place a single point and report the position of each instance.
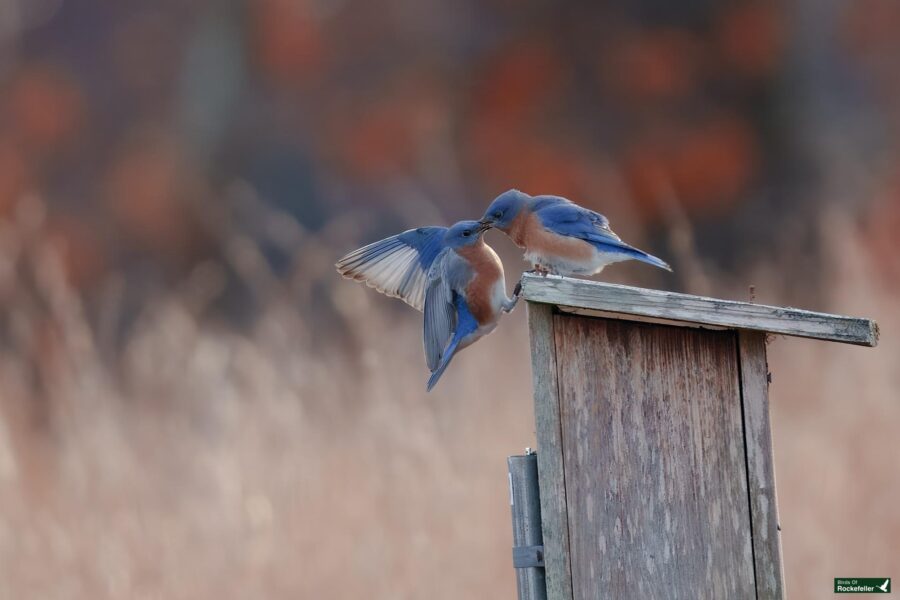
(706, 166)
(287, 40)
(655, 66)
(14, 176)
(43, 109)
(146, 194)
(750, 38)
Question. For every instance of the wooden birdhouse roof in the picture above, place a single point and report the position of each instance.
(595, 298)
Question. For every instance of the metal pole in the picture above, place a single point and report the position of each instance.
(528, 540)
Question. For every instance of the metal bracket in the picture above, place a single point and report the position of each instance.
(525, 557)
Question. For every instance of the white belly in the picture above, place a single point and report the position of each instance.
(498, 297)
(479, 333)
(562, 266)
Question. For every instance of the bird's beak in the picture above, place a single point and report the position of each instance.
(484, 225)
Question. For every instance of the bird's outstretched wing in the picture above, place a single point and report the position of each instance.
(397, 266)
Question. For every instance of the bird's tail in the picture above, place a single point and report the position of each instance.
(630, 252)
(446, 357)
(649, 259)
(614, 245)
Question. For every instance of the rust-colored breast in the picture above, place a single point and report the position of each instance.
(480, 291)
(517, 228)
(536, 239)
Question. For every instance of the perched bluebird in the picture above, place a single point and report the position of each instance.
(450, 274)
(559, 236)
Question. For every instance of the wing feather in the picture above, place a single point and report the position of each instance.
(440, 315)
(566, 218)
(446, 281)
(396, 266)
(573, 220)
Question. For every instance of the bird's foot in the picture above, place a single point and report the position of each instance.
(539, 270)
(510, 303)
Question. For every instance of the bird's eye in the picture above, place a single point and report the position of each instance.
(498, 214)
(466, 233)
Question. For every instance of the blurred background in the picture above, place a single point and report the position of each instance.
(193, 404)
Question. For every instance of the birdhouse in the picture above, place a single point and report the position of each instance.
(654, 450)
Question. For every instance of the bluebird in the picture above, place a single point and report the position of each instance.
(450, 274)
(559, 236)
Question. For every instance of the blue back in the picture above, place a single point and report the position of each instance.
(566, 218)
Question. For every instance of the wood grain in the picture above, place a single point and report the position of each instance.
(622, 299)
(654, 462)
(551, 472)
(760, 465)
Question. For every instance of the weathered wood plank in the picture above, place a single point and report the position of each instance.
(655, 470)
(611, 298)
(551, 474)
(760, 466)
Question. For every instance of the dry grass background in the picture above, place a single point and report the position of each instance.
(209, 462)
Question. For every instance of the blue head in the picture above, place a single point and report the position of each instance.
(504, 209)
(464, 233)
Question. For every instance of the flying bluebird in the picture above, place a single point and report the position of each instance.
(559, 236)
(449, 274)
